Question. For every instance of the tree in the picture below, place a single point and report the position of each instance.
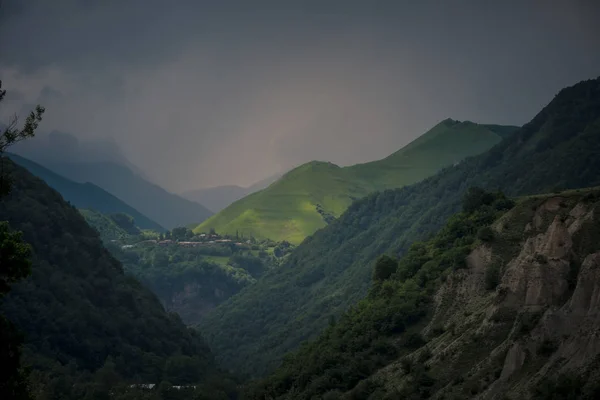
(181, 233)
(11, 135)
(14, 265)
(485, 234)
(125, 222)
(107, 376)
(14, 258)
(385, 266)
(476, 197)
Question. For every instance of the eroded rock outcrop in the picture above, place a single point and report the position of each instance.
(543, 318)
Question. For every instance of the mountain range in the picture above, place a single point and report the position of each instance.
(85, 195)
(465, 265)
(330, 271)
(218, 197)
(103, 164)
(168, 209)
(314, 194)
(60, 147)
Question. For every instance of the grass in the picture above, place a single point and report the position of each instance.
(288, 209)
(220, 260)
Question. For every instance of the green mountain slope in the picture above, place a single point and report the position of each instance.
(106, 226)
(168, 209)
(218, 197)
(495, 305)
(89, 329)
(330, 271)
(310, 196)
(85, 195)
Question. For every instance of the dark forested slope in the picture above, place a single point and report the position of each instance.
(497, 305)
(330, 271)
(85, 195)
(168, 209)
(89, 327)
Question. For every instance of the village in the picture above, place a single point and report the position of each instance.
(202, 239)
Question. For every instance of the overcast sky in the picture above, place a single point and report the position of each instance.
(203, 93)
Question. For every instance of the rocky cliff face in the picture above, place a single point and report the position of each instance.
(523, 320)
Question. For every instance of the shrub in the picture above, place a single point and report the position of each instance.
(492, 276)
(414, 341)
(476, 197)
(528, 321)
(438, 330)
(504, 203)
(384, 267)
(485, 234)
(564, 387)
(546, 348)
(406, 364)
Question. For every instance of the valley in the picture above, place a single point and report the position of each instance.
(376, 304)
(190, 274)
(193, 203)
(329, 272)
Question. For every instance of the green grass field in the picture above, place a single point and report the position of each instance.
(287, 210)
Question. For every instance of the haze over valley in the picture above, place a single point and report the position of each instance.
(299, 200)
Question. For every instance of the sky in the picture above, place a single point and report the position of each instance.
(206, 93)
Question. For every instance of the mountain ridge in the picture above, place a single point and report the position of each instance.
(218, 197)
(85, 195)
(311, 195)
(168, 209)
(327, 273)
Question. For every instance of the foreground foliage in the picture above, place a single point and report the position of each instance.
(14, 262)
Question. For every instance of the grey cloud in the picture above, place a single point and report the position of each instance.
(201, 93)
(48, 94)
(14, 96)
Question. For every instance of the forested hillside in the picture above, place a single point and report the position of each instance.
(111, 226)
(190, 274)
(330, 271)
(89, 329)
(85, 195)
(192, 280)
(168, 209)
(312, 195)
(495, 306)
